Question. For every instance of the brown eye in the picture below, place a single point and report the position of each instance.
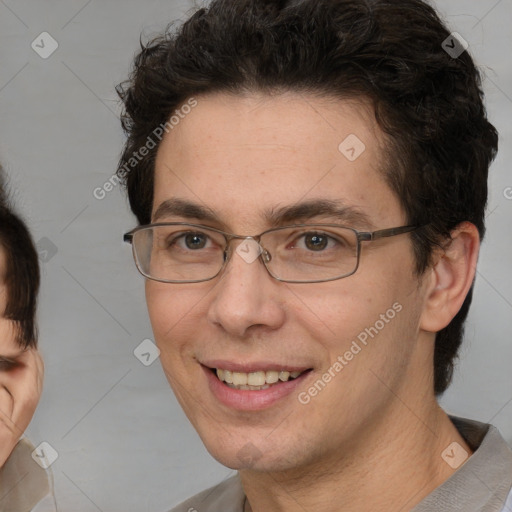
(316, 242)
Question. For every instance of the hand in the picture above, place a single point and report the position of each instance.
(21, 384)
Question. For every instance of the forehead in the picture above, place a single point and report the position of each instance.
(243, 154)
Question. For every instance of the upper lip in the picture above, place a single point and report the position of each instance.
(254, 366)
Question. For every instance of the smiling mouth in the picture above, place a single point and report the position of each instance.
(255, 381)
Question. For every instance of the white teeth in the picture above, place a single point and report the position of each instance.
(252, 388)
(255, 380)
(239, 379)
(271, 377)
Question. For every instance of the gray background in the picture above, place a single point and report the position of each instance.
(123, 443)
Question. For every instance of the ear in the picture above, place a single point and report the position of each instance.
(451, 278)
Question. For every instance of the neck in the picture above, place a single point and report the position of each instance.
(392, 465)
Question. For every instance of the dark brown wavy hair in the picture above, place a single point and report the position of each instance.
(429, 105)
(22, 276)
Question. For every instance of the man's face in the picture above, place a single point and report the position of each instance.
(241, 157)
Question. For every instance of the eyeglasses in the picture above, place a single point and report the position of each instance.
(178, 252)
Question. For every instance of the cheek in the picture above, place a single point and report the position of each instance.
(368, 320)
(341, 310)
(168, 305)
(6, 405)
(175, 313)
(368, 342)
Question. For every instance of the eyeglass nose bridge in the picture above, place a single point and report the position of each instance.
(250, 249)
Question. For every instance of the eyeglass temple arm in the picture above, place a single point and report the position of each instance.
(383, 233)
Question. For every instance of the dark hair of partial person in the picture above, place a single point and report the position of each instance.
(22, 274)
(428, 104)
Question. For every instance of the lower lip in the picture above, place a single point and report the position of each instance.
(246, 400)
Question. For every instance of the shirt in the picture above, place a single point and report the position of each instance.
(482, 484)
(24, 485)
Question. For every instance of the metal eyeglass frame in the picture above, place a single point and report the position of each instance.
(265, 256)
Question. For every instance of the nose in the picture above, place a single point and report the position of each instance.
(246, 296)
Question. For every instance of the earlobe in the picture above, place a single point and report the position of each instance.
(451, 278)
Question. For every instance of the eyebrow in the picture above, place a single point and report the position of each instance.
(328, 209)
(186, 209)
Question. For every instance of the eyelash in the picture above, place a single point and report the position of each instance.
(7, 364)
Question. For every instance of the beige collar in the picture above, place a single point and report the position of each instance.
(23, 483)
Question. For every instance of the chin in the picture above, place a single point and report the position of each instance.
(252, 460)
(244, 453)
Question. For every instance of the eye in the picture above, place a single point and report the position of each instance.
(315, 242)
(189, 241)
(7, 364)
(195, 240)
